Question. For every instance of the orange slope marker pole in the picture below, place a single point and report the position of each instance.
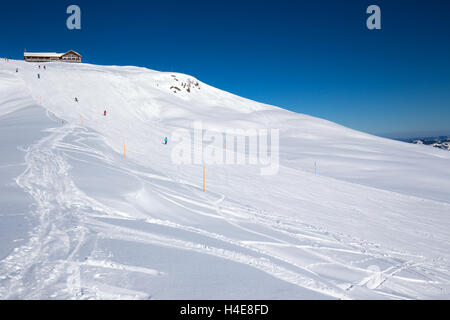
(204, 169)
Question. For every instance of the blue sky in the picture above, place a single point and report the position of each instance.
(313, 57)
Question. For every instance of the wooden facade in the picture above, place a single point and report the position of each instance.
(70, 56)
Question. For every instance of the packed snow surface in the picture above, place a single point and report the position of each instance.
(93, 207)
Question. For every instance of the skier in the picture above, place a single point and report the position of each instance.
(104, 113)
(39, 66)
(76, 99)
(165, 140)
(39, 76)
(45, 68)
(17, 70)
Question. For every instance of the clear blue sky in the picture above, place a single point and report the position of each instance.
(313, 57)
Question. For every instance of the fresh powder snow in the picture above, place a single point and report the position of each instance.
(93, 206)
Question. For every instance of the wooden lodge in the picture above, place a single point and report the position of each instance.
(70, 56)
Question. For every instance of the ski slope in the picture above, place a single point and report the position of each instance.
(80, 220)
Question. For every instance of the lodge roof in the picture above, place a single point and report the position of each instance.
(48, 54)
(42, 54)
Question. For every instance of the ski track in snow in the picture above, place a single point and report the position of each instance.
(68, 219)
(57, 239)
(64, 257)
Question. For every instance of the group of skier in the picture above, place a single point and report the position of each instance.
(38, 75)
(76, 99)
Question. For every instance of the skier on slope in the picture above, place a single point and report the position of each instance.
(165, 140)
(76, 99)
(104, 112)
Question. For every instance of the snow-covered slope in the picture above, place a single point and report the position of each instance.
(78, 219)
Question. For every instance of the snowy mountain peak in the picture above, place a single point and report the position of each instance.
(95, 208)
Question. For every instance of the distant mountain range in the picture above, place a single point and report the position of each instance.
(441, 142)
